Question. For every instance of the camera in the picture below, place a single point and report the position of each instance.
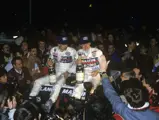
(27, 110)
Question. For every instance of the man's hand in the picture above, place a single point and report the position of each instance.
(66, 74)
(12, 103)
(28, 81)
(34, 71)
(94, 73)
(78, 61)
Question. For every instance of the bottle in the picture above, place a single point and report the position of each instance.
(36, 67)
(80, 71)
(52, 74)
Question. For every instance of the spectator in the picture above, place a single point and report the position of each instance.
(114, 57)
(153, 50)
(136, 96)
(6, 55)
(20, 75)
(34, 64)
(41, 52)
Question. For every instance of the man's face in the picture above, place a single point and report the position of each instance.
(42, 45)
(143, 50)
(124, 77)
(18, 65)
(3, 79)
(63, 47)
(86, 46)
(132, 45)
(111, 49)
(153, 42)
(24, 46)
(6, 49)
(137, 72)
(33, 52)
(49, 47)
(43, 32)
(101, 47)
(110, 37)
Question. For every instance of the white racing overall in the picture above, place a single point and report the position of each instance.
(93, 60)
(64, 61)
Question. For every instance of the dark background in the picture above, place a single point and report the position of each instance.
(54, 13)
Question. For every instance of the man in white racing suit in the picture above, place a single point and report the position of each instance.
(94, 63)
(64, 58)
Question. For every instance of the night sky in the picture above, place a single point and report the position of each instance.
(15, 13)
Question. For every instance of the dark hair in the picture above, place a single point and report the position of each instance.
(132, 39)
(22, 114)
(2, 72)
(26, 111)
(125, 70)
(153, 37)
(130, 74)
(15, 59)
(32, 46)
(23, 42)
(111, 44)
(42, 40)
(135, 93)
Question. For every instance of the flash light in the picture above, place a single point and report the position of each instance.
(14, 37)
(137, 44)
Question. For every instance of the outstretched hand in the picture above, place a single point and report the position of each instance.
(66, 74)
(12, 103)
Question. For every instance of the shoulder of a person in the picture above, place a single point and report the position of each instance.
(54, 48)
(11, 71)
(80, 50)
(71, 49)
(97, 51)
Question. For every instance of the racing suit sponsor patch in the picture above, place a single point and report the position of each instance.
(94, 53)
(55, 55)
(68, 53)
(91, 62)
(66, 59)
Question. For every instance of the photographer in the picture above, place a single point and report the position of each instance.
(3, 85)
(7, 107)
(3, 92)
(26, 111)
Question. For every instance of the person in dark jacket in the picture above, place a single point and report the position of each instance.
(3, 84)
(19, 75)
(42, 51)
(3, 93)
(114, 57)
